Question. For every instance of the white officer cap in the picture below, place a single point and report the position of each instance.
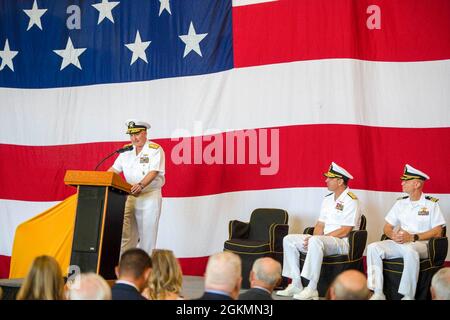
(412, 173)
(336, 171)
(135, 126)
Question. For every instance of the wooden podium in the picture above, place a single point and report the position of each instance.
(99, 220)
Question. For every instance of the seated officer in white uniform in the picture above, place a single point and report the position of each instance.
(339, 215)
(412, 220)
(143, 168)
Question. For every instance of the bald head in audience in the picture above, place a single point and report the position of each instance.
(349, 285)
(266, 273)
(89, 286)
(223, 273)
(440, 285)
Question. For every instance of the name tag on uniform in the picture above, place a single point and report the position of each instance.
(144, 159)
(424, 212)
(339, 206)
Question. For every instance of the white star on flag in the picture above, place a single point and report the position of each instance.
(138, 48)
(7, 56)
(105, 10)
(70, 55)
(165, 5)
(35, 15)
(192, 41)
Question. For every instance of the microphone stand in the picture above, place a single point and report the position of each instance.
(109, 156)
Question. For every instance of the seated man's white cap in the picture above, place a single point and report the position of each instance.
(412, 173)
(135, 126)
(336, 171)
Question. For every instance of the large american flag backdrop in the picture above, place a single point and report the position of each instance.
(363, 83)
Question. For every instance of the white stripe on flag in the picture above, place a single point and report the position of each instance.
(198, 226)
(237, 3)
(340, 91)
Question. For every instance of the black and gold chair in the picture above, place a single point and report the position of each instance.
(335, 264)
(262, 236)
(393, 269)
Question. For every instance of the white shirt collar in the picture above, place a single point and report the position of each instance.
(343, 194)
(420, 202)
(128, 283)
(261, 288)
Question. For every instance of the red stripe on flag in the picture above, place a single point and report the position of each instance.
(190, 266)
(5, 262)
(193, 266)
(292, 30)
(375, 156)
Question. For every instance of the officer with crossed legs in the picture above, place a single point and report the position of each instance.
(339, 215)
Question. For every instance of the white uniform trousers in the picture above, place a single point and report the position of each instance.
(411, 253)
(318, 247)
(140, 222)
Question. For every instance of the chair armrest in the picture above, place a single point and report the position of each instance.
(309, 230)
(276, 234)
(357, 243)
(238, 229)
(437, 250)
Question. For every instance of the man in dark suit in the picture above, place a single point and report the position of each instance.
(133, 272)
(223, 277)
(264, 277)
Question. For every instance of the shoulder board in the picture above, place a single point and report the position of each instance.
(153, 145)
(127, 145)
(402, 198)
(431, 199)
(329, 194)
(352, 195)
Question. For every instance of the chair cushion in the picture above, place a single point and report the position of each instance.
(244, 246)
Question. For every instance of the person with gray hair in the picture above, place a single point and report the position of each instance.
(349, 285)
(89, 286)
(222, 277)
(264, 277)
(440, 285)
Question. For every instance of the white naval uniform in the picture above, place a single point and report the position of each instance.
(344, 211)
(141, 218)
(414, 217)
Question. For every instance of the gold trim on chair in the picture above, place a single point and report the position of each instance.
(262, 252)
(244, 246)
(340, 262)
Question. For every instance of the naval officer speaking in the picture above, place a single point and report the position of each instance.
(143, 168)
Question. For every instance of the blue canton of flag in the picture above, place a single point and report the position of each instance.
(59, 43)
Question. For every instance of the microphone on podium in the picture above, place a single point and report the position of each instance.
(126, 148)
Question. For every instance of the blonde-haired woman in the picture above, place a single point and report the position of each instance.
(43, 282)
(166, 278)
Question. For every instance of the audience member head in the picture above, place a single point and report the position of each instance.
(135, 266)
(44, 281)
(223, 273)
(89, 286)
(166, 278)
(349, 285)
(440, 285)
(266, 273)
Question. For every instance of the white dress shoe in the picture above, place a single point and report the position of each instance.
(289, 291)
(307, 294)
(378, 296)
